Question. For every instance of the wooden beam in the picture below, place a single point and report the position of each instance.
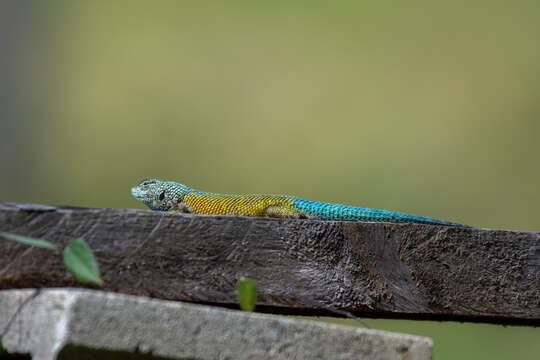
(301, 266)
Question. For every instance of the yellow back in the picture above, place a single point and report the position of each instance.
(244, 205)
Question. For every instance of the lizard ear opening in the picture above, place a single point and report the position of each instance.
(162, 195)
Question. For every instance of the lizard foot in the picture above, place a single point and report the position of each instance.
(281, 211)
(181, 207)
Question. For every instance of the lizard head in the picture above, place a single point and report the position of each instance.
(159, 194)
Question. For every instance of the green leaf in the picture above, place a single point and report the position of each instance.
(29, 241)
(2, 350)
(79, 259)
(246, 290)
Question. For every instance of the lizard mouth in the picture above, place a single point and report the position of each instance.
(136, 193)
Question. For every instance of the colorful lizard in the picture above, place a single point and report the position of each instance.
(172, 196)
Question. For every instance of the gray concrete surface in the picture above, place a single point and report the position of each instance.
(86, 324)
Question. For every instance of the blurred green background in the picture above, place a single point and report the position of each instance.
(427, 107)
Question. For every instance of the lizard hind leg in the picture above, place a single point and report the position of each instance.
(282, 211)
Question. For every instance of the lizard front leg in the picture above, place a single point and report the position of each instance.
(182, 207)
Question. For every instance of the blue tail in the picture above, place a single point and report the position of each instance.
(327, 211)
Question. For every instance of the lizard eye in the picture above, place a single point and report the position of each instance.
(162, 195)
(146, 182)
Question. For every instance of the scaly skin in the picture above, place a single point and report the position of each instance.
(172, 196)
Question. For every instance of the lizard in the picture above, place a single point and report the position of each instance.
(172, 196)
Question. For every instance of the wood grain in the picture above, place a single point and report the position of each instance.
(302, 266)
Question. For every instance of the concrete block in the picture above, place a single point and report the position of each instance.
(85, 324)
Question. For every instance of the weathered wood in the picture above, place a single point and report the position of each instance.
(302, 266)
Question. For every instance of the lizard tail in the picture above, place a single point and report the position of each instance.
(327, 211)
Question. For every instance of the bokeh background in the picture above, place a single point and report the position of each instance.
(428, 107)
